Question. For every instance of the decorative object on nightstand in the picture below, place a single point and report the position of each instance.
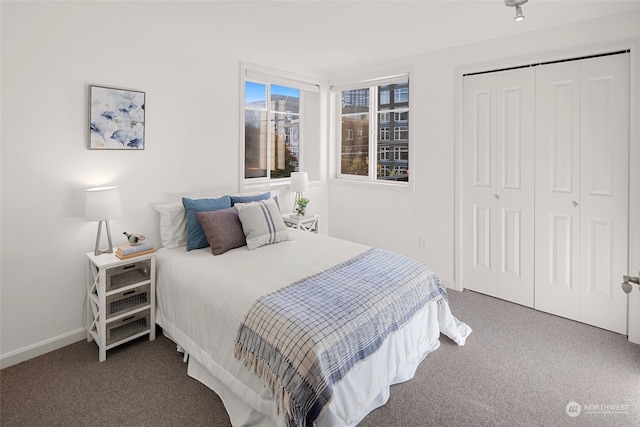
(301, 206)
(120, 300)
(304, 223)
(299, 183)
(134, 239)
(102, 204)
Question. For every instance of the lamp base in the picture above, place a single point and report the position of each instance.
(295, 200)
(97, 250)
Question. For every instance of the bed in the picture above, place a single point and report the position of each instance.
(203, 300)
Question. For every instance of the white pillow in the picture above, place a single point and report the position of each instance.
(262, 223)
(173, 224)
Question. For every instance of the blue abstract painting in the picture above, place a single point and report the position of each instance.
(117, 119)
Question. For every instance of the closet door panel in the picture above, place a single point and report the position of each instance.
(515, 185)
(557, 192)
(479, 183)
(604, 195)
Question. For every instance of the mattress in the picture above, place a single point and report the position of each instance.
(202, 299)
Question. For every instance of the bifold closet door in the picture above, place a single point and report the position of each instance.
(498, 220)
(582, 185)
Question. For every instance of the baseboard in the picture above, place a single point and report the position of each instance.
(38, 349)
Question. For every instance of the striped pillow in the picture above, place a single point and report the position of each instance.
(262, 223)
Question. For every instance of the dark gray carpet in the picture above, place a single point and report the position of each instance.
(519, 367)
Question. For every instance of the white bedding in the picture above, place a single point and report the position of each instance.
(201, 300)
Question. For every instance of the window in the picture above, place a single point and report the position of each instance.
(355, 116)
(401, 94)
(384, 153)
(271, 130)
(401, 132)
(401, 116)
(385, 96)
(400, 154)
(367, 110)
(272, 125)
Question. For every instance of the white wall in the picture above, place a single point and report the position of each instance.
(51, 53)
(377, 215)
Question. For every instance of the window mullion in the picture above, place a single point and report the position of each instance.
(269, 130)
(373, 133)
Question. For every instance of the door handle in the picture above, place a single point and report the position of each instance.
(627, 281)
(575, 204)
(497, 196)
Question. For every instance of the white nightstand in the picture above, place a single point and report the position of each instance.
(306, 223)
(121, 299)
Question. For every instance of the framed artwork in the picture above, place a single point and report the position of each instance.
(117, 119)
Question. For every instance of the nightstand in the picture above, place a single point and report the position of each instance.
(305, 223)
(121, 299)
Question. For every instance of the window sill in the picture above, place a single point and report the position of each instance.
(382, 185)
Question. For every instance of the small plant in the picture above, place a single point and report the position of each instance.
(301, 205)
(303, 202)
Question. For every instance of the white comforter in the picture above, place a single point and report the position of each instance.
(201, 300)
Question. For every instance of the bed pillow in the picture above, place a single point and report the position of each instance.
(249, 198)
(262, 223)
(196, 239)
(173, 224)
(223, 229)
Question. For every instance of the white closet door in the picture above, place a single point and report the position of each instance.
(515, 185)
(498, 184)
(582, 178)
(479, 183)
(557, 194)
(604, 191)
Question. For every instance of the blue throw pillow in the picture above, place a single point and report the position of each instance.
(196, 239)
(252, 198)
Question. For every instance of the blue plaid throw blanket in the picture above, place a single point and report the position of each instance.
(305, 337)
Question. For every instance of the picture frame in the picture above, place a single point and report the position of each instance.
(116, 119)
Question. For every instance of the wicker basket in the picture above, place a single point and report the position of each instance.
(128, 300)
(128, 274)
(128, 326)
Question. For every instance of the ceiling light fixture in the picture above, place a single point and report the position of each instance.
(518, 5)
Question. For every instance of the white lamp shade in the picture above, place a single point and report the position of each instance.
(299, 181)
(102, 203)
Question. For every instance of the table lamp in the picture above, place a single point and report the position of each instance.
(299, 183)
(102, 204)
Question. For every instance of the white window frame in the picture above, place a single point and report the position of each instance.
(398, 92)
(372, 82)
(384, 153)
(397, 153)
(386, 99)
(398, 131)
(397, 115)
(269, 76)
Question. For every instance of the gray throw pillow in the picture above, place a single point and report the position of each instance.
(223, 229)
(262, 223)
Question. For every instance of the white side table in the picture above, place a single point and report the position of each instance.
(305, 223)
(121, 299)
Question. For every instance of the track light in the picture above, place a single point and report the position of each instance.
(517, 4)
(519, 16)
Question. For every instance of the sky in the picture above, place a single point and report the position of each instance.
(257, 91)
